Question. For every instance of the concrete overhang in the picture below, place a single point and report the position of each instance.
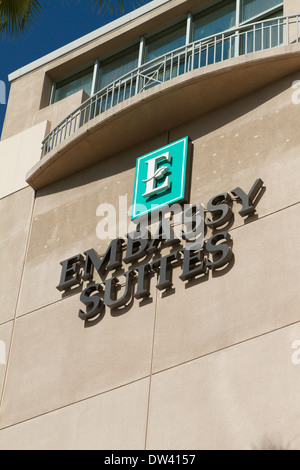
(161, 108)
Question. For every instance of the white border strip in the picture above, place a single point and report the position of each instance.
(88, 38)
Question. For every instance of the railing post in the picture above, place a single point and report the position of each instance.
(278, 32)
(171, 65)
(186, 67)
(222, 47)
(193, 57)
(215, 49)
(44, 147)
(237, 44)
(113, 92)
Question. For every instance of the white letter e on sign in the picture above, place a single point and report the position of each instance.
(154, 173)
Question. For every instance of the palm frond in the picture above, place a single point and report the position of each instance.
(18, 16)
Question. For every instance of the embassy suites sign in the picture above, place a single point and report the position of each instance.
(124, 272)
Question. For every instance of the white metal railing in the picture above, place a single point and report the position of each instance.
(245, 39)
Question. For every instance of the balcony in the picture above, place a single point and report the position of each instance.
(223, 46)
(145, 98)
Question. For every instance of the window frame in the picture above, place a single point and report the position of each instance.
(111, 57)
(66, 77)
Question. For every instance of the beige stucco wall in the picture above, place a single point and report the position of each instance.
(206, 365)
(291, 7)
(57, 112)
(27, 91)
(17, 155)
(15, 215)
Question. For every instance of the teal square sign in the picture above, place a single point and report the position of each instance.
(161, 178)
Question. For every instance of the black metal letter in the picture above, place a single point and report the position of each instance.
(143, 281)
(226, 252)
(214, 206)
(110, 295)
(190, 258)
(112, 259)
(165, 273)
(94, 301)
(247, 200)
(136, 247)
(70, 272)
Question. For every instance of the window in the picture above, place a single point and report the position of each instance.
(116, 66)
(166, 41)
(215, 20)
(212, 21)
(263, 36)
(252, 8)
(225, 16)
(68, 86)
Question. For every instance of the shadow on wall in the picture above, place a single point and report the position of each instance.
(230, 112)
(272, 443)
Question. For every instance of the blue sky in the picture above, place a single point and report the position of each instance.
(62, 21)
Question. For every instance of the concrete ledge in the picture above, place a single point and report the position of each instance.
(162, 108)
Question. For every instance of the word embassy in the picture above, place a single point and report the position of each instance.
(138, 257)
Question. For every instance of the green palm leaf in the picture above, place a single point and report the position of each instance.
(17, 16)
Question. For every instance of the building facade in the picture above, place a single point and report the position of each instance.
(114, 342)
